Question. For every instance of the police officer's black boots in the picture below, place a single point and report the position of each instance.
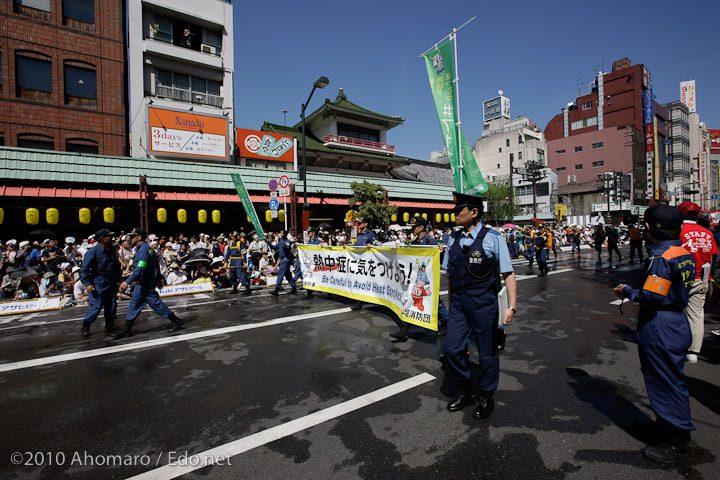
(675, 448)
(463, 398)
(85, 330)
(402, 334)
(247, 290)
(275, 292)
(485, 406)
(125, 332)
(308, 295)
(110, 327)
(293, 291)
(234, 290)
(176, 323)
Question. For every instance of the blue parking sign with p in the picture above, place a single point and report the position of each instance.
(274, 203)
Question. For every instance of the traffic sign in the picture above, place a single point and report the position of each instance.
(273, 185)
(274, 203)
(712, 197)
(284, 181)
(284, 192)
(274, 194)
(273, 214)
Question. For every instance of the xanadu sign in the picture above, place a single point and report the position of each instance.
(406, 280)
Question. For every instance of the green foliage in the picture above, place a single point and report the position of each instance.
(498, 196)
(370, 197)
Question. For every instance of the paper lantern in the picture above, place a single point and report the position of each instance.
(424, 215)
(161, 215)
(2, 215)
(416, 214)
(446, 217)
(84, 216)
(281, 215)
(202, 216)
(268, 216)
(452, 217)
(182, 215)
(438, 218)
(216, 216)
(393, 217)
(406, 217)
(32, 216)
(109, 215)
(52, 215)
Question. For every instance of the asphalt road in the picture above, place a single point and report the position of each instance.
(270, 388)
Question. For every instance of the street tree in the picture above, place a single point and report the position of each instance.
(368, 200)
(498, 198)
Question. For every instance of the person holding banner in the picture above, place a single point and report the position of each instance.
(146, 276)
(365, 238)
(284, 249)
(235, 264)
(99, 274)
(312, 240)
(419, 229)
(476, 256)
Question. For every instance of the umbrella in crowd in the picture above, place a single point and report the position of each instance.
(324, 225)
(509, 225)
(42, 233)
(23, 272)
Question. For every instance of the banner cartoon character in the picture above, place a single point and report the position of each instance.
(421, 288)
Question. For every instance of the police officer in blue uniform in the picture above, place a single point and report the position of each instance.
(419, 229)
(235, 264)
(476, 255)
(542, 250)
(312, 240)
(284, 249)
(365, 238)
(99, 274)
(529, 241)
(513, 246)
(146, 276)
(663, 332)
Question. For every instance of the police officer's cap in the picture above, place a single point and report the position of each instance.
(103, 232)
(463, 200)
(360, 219)
(662, 216)
(417, 221)
(138, 231)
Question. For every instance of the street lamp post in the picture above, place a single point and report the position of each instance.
(533, 173)
(321, 82)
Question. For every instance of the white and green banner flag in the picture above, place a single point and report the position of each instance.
(441, 71)
(247, 204)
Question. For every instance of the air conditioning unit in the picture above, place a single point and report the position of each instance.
(208, 49)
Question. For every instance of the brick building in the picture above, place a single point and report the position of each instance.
(62, 75)
(610, 130)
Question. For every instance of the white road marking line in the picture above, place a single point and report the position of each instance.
(292, 427)
(8, 367)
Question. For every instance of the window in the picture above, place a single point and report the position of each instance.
(559, 152)
(561, 169)
(507, 142)
(598, 164)
(512, 157)
(212, 37)
(80, 86)
(83, 10)
(500, 150)
(541, 156)
(185, 88)
(498, 165)
(585, 122)
(39, 9)
(79, 145)
(541, 189)
(595, 146)
(587, 105)
(519, 155)
(40, 142)
(34, 78)
(578, 149)
(578, 166)
(360, 133)
(162, 30)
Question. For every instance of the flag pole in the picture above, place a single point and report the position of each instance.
(446, 36)
(453, 36)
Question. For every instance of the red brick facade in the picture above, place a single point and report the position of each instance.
(64, 42)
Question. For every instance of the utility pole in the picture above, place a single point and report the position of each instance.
(533, 173)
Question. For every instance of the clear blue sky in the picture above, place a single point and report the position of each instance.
(534, 51)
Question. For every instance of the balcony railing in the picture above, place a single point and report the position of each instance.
(185, 95)
(357, 143)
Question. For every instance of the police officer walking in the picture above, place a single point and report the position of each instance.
(146, 276)
(476, 255)
(284, 249)
(235, 264)
(542, 251)
(663, 332)
(99, 274)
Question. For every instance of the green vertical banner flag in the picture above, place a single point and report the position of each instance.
(441, 71)
(247, 204)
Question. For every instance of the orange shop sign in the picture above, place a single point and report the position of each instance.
(265, 145)
(187, 133)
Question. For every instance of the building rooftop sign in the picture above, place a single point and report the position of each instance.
(496, 107)
(186, 134)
